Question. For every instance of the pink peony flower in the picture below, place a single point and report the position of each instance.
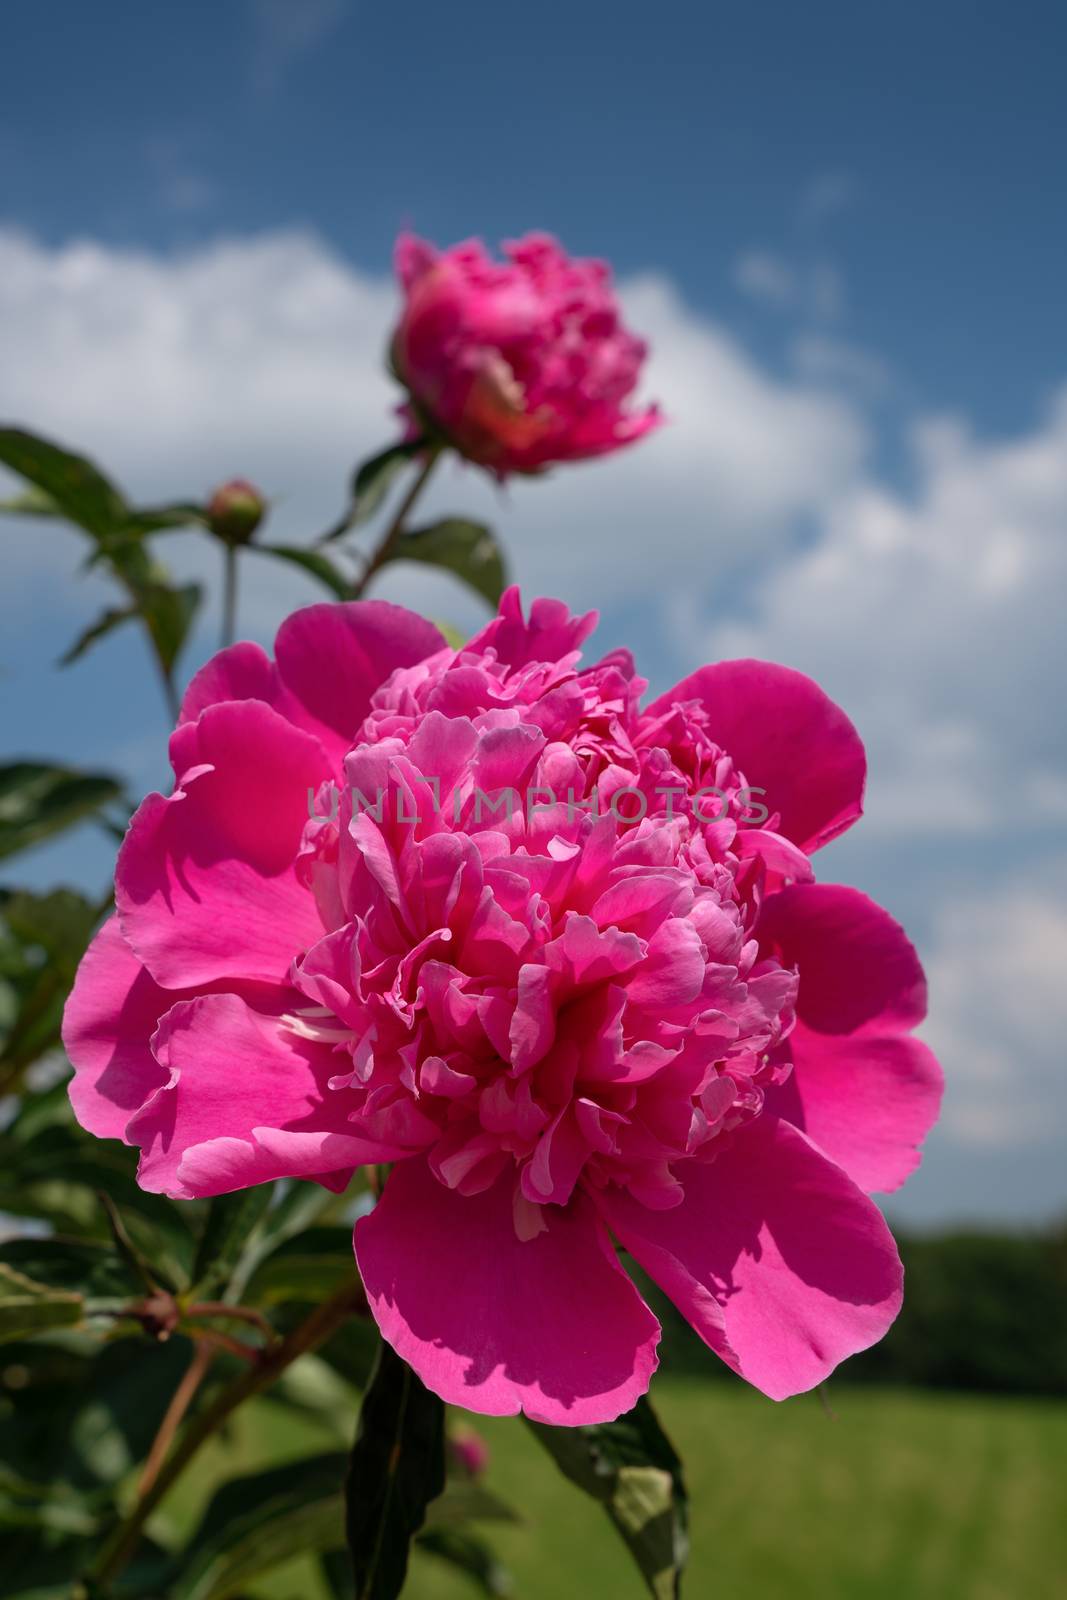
(517, 364)
(618, 1010)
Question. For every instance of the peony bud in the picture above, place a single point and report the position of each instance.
(471, 1452)
(235, 511)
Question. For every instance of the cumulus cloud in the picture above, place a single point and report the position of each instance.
(937, 616)
(264, 357)
(996, 977)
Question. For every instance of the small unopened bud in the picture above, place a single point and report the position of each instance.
(470, 1452)
(235, 511)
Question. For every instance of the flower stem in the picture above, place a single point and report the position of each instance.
(195, 1373)
(229, 596)
(314, 1331)
(385, 549)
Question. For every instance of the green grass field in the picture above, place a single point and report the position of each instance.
(903, 1495)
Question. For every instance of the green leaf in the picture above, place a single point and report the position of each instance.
(374, 477)
(71, 486)
(38, 799)
(397, 1468)
(469, 550)
(28, 1307)
(42, 939)
(371, 482)
(469, 1554)
(259, 1522)
(353, 1352)
(314, 562)
(464, 1501)
(105, 623)
(74, 484)
(87, 1267)
(166, 611)
(631, 1467)
(33, 503)
(161, 519)
(45, 1509)
(294, 1207)
(335, 1569)
(310, 1266)
(168, 614)
(54, 1171)
(60, 922)
(82, 1414)
(230, 1223)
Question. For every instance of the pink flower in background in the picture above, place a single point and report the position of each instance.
(519, 363)
(471, 1451)
(564, 1025)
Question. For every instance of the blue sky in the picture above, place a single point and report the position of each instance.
(840, 228)
(921, 147)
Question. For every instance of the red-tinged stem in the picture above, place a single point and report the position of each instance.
(315, 1330)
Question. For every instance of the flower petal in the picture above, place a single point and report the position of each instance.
(551, 633)
(232, 1076)
(242, 671)
(858, 968)
(868, 1102)
(110, 1016)
(788, 738)
(332, 658)
(865, 1093)
(205, 884)
(549, 1325)
(780, 1263)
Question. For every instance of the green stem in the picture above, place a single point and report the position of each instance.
(393, 532)
(318, 1327)
(229, 596)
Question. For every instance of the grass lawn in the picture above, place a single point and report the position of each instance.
(905, 1495)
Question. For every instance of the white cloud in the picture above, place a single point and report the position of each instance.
(937, 618)
(285, 30)
(998, 1004)
(832, 361)
(264, 357)
(813, 290)
(766, 277)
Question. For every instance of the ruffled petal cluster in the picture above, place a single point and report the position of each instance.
(558, 957)
(519, 363)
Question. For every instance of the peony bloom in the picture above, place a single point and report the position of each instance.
(517, 364)
(618, 1010)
